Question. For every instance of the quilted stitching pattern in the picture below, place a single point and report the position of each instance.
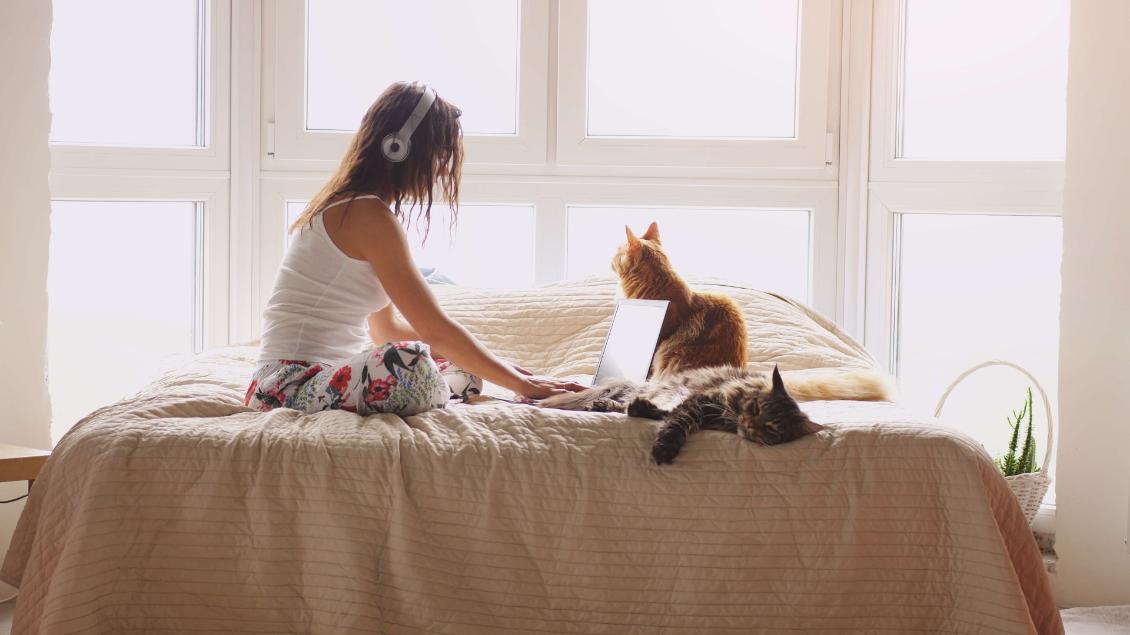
(178, 509)
(560, 329)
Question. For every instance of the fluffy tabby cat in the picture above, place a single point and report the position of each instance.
(756, 407)
(701, 330)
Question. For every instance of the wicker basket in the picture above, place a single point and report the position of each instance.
(1029, 489)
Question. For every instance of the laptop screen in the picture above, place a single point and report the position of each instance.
(631, 340)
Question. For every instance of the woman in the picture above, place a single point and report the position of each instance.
(350, 264)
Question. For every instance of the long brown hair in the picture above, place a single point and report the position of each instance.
(435, 162)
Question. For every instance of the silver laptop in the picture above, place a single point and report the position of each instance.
(629, 345)
(631, 340)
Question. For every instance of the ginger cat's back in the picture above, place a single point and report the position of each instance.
(701, 330)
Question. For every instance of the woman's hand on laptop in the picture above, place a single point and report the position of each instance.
(540, 387)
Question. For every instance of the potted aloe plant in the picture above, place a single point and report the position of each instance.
(1027, 479)
(1024, 462)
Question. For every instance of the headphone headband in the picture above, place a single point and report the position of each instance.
(395, 146)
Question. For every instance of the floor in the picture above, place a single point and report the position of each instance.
(6, 611)
(1101, 620)
(1098, 620)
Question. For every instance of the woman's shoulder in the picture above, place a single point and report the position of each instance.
(369, 212)
(357, 201)
(362, 224)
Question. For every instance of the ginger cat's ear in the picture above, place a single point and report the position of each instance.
(652, 232)
(633, 242)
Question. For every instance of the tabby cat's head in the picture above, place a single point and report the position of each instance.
(772, 417)
(640, 255)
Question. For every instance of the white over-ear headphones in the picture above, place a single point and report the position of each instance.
(395, 146)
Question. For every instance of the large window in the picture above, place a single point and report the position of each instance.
(564, 144)
(967, 143)
(739, 87)
(983, 80)
(119, 305)
(103, 92)
(139, 224)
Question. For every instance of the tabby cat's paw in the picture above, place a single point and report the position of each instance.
(606, 405)
(667, 445)
(643, 408)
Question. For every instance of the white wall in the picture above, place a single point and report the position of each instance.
(25, 28)
(1093, 486)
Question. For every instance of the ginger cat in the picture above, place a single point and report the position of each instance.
(701, 330)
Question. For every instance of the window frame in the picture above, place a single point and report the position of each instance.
(886, 166)
(887, 201)
(210, 192)
(809, 154)
(288, 141)
(888, 185)
(214, 154)
(906, 186)
(184, 174)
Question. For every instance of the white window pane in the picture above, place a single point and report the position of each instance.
(492, 246)
(985, 80)
(126, 72)
(766, 249)
(467, 51)
(294, 209)
(973, 288)
(121, 284)
(717, 68)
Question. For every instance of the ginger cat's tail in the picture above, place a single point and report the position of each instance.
(850, 385)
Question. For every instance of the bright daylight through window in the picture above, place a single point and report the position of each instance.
(688, 234)
(733, 64)
(119, 306)
(986, 89)
(150, 99)
(976, 266)
(471, 54)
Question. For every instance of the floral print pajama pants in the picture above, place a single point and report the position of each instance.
(401, 378)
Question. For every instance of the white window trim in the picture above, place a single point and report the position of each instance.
(906, 186)
(806, 156)
(211, 190)
(291, 146)
(885, 166)
(889, 199)
(122, 173)
(214, 154)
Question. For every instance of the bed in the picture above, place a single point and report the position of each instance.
(180, 510)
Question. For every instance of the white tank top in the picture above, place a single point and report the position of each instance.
(322, 297)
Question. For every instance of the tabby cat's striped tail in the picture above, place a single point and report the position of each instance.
(828, 384)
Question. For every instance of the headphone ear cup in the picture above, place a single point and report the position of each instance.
(395, 148)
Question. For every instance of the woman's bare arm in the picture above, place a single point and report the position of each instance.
(375, 234)
(385, 326)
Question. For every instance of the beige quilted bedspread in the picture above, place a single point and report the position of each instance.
(179, 510)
